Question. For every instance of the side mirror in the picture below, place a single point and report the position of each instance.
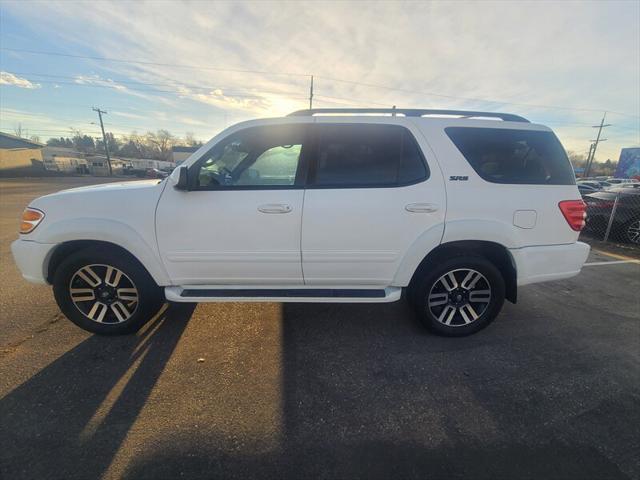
(180, 178)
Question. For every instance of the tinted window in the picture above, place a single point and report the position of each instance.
(514, 156)
(255, 157)
(367, 155)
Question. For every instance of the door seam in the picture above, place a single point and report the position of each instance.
(304, 195)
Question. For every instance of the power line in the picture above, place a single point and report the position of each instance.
(120, 126)
(115, 86)
(332, 79)
(261, 94)
(473, 99)
(113, 83)
(159, 64)
(352, 101)
(68, 131)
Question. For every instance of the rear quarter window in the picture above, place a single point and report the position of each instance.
(501, 155)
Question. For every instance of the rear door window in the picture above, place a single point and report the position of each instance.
(366, 156)
(501, 155)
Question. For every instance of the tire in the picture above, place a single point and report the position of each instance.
(106, 292)
(461, 305)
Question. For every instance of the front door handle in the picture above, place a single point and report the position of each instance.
(275, 208)
(421, 208)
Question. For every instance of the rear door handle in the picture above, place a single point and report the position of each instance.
(421, 208)
(275, 208)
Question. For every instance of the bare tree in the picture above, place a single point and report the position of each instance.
(161, 141)
(19, 131)
(576, 159)
(189, 140)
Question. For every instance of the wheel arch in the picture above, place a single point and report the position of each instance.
(63, 250)
(71, 236)
(496, 253)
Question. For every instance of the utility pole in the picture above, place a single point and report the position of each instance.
(104, 138)
(596, 141)
(586, 164)
(311, 94)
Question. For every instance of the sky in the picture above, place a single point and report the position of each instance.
(201, 66)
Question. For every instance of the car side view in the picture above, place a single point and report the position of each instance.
(458, 209)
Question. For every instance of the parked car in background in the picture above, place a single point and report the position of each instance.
(624, 187)
(591, 183)
(598, 182)
(585, 188)
(620, 181)
(626, 219)
(156, 173)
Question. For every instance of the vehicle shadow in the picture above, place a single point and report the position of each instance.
(75, 413)
(367, 393)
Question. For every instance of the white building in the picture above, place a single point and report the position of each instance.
(63, 159)
(180, 153)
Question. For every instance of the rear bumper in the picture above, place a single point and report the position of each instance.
(31, 259)
(547, 263)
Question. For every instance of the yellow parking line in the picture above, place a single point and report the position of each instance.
(614, 255)
(610, 262)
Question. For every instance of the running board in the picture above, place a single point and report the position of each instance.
(201, 293)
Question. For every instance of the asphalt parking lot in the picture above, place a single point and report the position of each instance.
(550, 390)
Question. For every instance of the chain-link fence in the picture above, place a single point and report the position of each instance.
(614, 215)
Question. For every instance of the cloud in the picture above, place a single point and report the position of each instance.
(217, 98)
(184, 120)
(521, 52)
(98, 81)
(38, 123)
(134, 116)
(7, 78)
(473, 55)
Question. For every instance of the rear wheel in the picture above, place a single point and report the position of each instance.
(106, 292)
(459, 296)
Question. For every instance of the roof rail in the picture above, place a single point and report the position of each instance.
(411, 112)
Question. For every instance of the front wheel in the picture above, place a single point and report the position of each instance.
(105, 292)
(459, 296)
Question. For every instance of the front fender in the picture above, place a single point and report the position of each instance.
(107, 231)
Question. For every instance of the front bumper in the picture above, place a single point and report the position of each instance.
(547, 263)
(32, 259)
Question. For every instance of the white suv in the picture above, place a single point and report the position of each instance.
(458, 208)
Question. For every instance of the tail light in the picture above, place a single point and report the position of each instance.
(575, 212)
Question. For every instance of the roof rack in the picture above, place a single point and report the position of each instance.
(411, 112)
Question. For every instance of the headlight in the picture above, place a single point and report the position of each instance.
(31, 218)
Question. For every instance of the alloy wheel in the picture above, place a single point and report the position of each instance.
(633, 232)
(103, 294)
(459, 297)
